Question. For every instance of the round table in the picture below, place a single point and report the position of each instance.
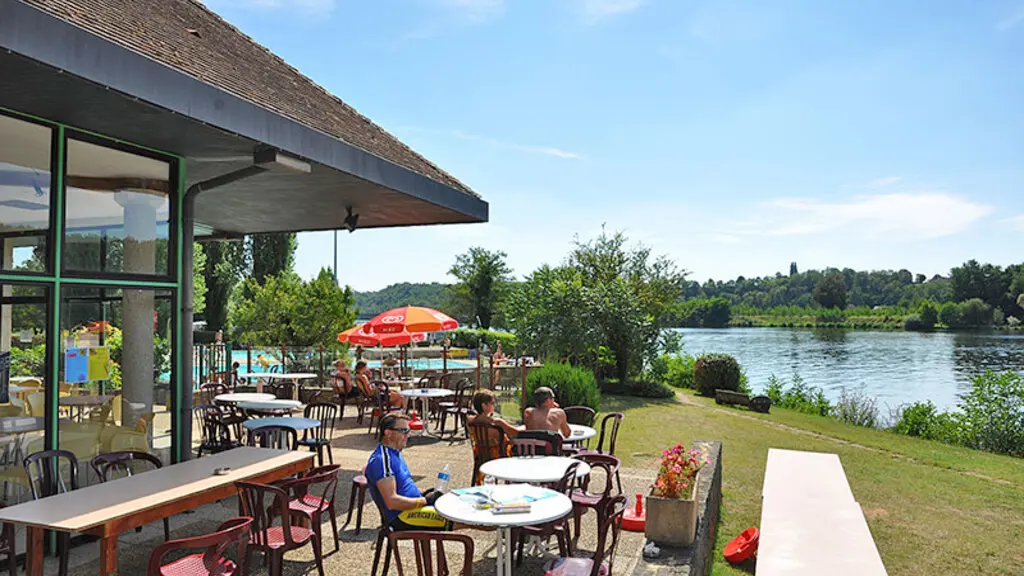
(233, 397)
(298, 424)
(532, 469)
(293, 376)
(275, 406)
(82, 402)
(425, 395)
(580, 433)
(548, 509)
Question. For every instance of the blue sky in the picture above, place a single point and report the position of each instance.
(732, 136)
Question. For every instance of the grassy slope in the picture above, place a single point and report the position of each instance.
(927, 507)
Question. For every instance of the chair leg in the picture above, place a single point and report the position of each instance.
(444, 418)
(376, 552)
(248, 556)
(333, 515)
(387, 558)
(577, 514)
(618, 481)
(318, 554)
(519, 549)
(276, 561)
(12, 560)
(167, 529)
(351, 504)
(359, 511)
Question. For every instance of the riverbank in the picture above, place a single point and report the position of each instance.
(932, 508)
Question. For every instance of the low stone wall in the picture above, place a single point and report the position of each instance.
(696, 559)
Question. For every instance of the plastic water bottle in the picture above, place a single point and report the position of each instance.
(442, 478)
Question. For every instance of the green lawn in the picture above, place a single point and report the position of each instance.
(932, 508)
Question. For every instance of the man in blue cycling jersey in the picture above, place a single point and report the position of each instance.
(391, 484)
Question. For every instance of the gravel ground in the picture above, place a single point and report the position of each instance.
(351, 448)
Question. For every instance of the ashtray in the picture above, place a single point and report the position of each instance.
(577, 432)
(222, 471)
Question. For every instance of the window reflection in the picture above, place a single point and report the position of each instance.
(118, 211)
(24, 194)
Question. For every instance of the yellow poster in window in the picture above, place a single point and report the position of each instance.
(99, 363)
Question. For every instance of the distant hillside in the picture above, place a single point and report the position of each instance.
(433, 295)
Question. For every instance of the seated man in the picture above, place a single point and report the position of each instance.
(484, 402)
(391, 484)
(341, 380)
(546, 415)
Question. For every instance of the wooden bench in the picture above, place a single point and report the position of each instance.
(757, 403)
(810, 522)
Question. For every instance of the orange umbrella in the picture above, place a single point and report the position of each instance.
(411, 319)
(358, 335)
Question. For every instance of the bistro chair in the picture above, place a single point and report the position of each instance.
(211, 561)
(553, 440)
(215, 435)
(382, 537)
(610, 425)
(319, 439)
(609, 523)
(489, 443)
(120, 464)
(7, 546)
(276, 437)
(425, 562)
(581, 415)
(313, 494)
(49, 473)
(459, 408)
(272, 540)
(583, 499)
(558, 528)
(382, 397)
(356, 491)
(210, 390)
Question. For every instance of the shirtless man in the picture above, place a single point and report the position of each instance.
(547, 415)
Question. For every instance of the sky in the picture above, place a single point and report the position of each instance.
(731, 136)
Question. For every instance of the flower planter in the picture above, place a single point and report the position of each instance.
(671, 521)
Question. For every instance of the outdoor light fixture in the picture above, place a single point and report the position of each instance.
(351, 220)
(277, 161)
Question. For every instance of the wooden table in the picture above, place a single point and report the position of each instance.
(105, 510)
(82, 402)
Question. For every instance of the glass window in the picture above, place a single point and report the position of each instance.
(118, 211)
(116, 361)
(23, 404)
(24, 194)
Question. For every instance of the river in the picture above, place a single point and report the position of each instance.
(894, 367)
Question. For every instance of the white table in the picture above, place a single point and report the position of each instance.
(275, 405)
(298, 424)
(235, 397)
(293, 376)
(532, 469)
(580, 433)
(454, 508)
(425, 395)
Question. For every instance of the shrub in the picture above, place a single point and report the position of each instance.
(975, 313)
(929, 313)
(922, 419)
(799, 396)
(469, 337)
(573, 386)
(992, 413)
(28, 361)
(674, 370)
(1012, 322)
(716, 371)
(949, 315)
(915, 323)
(857, 408)
(648, 389)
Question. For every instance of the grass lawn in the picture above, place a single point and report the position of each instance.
(932, 508)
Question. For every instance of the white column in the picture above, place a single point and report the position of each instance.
(6, 310)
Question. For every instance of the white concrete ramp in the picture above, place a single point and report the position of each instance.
(811, 525)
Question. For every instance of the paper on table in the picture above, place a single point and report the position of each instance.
(507, 493)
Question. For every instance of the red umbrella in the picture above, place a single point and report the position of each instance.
(411, 319)
(358, 335)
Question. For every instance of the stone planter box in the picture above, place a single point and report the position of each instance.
(670, 521)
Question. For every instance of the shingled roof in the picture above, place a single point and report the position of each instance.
(187, 36)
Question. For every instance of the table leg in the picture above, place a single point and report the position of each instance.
(259, 385)
(500, 552)
(508, 551)
(33, 551)
(108, 555)
(295, 389)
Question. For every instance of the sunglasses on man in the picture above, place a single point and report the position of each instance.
(401, 430)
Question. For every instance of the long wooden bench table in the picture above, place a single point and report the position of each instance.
(105, 510)
(811, 525)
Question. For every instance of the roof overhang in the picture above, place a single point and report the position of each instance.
(60, 72)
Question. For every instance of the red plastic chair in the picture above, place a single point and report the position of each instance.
(425, 564)
(272, 540)
(559, 528)
(615, 418)
(357, 491)
(583, 499)
(210, 562)
(610, 518)
(312, 495)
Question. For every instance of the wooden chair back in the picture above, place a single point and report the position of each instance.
(489, 443)
(427, 564)
(609, 466)
(612, 430)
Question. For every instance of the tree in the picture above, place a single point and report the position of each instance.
(225, 265)
(830, 292)
(949, 315)
(270, 254)
(198, 278)
(929, 314)
(792, 269)
(1020, 301)
(483, 279)
(986, 282)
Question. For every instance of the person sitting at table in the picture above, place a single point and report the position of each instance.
(391, 485)
(341, 378)
(484, 403)
(363, 381)
(546, 415)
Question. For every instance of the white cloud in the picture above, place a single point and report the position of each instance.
(318, 7)
(476, 10)
(1011, 21)
(1017, 222)
(594, 11)
(532, 149)
(899, 216)
(884, 182)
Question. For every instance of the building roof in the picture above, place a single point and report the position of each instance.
(187, 36)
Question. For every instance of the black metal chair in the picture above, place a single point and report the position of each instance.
(458, 409)
(319, 439)
(123, 463)
(215, 434)
(45, 472)
(276, 437)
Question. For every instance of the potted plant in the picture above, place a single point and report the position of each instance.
(671, 506)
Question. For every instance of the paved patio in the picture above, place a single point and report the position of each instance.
(351, 448)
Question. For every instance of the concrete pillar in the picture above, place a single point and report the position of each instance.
(137, 378)
(6, 310)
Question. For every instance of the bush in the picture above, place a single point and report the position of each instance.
(28, 361)
(573, 386)
(674, 370)
(470, 338)
(857, 408)
(716, 372)
(914, 323)
(949, 315)
(992, 413)
(799, 396)
(975, 313)
(648, 389)
(929, 313)
(922, 419)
